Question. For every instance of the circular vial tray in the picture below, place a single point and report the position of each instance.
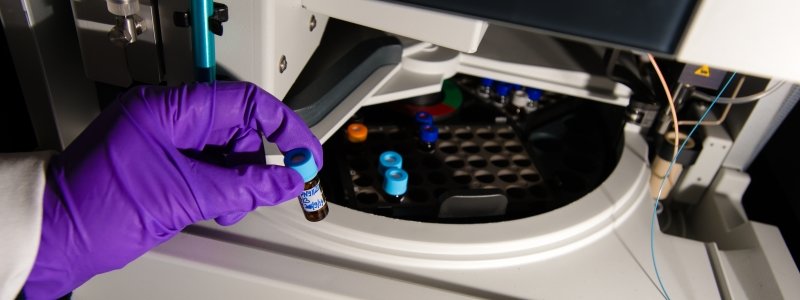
(476, 171)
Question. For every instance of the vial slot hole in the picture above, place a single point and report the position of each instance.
(367, 198)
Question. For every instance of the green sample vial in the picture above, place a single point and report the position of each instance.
(312, 199)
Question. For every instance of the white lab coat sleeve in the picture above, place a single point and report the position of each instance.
(22, 179)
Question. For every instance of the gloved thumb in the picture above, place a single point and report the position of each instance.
(225, 193)
(230, 219)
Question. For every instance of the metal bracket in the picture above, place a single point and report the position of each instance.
(218, 16)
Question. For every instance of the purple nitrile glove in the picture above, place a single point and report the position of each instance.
(154, 162)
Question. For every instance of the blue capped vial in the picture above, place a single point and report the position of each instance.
(423, 118)
(428, 135)
(534, 95)
(389, 159)
(395, 184)
(312, 199)
(485, 88)
(503, 94)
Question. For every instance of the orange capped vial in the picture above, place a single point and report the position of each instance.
(357, 133)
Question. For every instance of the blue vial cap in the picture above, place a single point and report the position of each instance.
(302, 161)
(486, 82)
(534, 94)
(429, 133)
(389, 159)
(516, 87)
(503, 89)
(424, 118)
(395, 181)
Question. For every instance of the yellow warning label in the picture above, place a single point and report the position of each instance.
(704, 71)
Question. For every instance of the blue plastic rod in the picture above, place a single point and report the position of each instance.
(203, 40)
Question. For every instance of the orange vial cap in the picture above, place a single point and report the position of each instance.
(356, 133)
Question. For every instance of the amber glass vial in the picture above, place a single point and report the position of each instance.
(312, 199)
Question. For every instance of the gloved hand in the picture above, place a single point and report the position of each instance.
(154, 162)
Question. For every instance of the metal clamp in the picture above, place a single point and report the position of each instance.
(126, 30)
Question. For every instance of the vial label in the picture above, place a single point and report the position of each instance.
(311, 199)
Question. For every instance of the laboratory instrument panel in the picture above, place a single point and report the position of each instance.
(540, 182)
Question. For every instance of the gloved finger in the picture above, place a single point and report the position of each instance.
(210, 114)
(230, 219)
(246, 148)
(224, 191)
(248, 140)
(278, 123)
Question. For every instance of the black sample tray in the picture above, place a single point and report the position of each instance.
(476, 171)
